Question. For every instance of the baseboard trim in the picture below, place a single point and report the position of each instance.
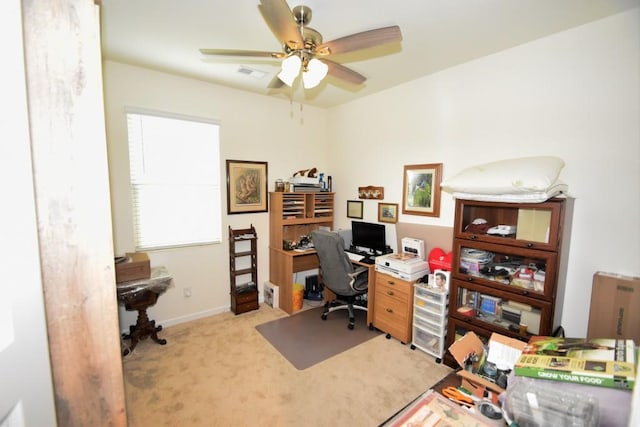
(194, 316)
(187, 318)
(191, 316)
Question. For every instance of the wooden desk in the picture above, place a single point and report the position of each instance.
(282, 265)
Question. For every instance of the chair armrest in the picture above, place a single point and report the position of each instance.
(355, 276)
(359, 270)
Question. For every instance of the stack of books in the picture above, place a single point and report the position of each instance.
(603, 362)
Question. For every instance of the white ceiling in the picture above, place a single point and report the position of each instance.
(165, 35)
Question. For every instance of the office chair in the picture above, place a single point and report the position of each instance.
(338, 274)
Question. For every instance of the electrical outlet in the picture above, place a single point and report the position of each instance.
(187, 292)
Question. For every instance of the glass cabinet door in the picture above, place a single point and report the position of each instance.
(509, 314)
(531, 225)
(458, 329)
(522, 271)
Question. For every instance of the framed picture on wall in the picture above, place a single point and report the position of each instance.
(246, 187)
(388, 212)
(354, 209)
(421, 189)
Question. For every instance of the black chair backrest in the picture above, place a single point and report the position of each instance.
(334, 262)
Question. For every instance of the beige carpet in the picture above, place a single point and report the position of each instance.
(219, 371)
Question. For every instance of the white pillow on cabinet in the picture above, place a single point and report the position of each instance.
(510, 176)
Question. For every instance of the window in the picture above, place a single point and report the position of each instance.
(175, 180)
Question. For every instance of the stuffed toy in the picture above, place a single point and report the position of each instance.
(309, 173)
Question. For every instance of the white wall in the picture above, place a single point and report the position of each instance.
(574, 95)
(253, 127)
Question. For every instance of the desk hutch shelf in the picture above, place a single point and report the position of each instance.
(243, 269)
(499, 281)
(291, 216)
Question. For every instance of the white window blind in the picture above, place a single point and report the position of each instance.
(175, 180)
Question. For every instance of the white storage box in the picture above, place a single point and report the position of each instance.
(429, 316)
(429, 327)
(430, 343)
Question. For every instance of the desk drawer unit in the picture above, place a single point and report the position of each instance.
(393, 307)
(430, 308)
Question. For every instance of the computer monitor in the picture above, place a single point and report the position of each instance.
(368, 235)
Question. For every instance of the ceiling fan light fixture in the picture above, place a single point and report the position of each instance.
(315, 72)
(290, 69)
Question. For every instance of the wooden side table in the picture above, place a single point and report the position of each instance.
(139, 295)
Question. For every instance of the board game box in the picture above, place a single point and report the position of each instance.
(604, 362)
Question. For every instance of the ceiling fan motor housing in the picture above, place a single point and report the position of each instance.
(302, 15)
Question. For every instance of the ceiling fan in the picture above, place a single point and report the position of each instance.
(304, 49)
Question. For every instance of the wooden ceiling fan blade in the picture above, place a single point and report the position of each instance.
(358, 41)
(344, 73)
(280, 20)
(237, 52)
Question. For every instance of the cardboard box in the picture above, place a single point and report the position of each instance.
(136, 267)
(470, 343)
(615, 307)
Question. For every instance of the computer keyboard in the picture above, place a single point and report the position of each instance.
(360, 258)
(353, 256)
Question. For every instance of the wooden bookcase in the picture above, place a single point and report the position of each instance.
(243, 269)
(291, 216)
(500, 281)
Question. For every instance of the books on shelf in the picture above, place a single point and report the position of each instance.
(604, 362)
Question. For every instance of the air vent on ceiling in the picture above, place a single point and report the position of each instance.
(251, 72)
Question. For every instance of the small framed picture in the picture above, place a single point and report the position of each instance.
(441, 280)
(388, 212)
(354, 209)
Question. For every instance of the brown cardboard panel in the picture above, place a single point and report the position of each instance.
(479, 381)
(508, 341)
(136, 267)
(615, 307)
(470, 343)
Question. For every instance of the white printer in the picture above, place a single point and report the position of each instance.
(408, 265)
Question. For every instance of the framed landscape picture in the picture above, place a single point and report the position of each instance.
(388, 212)
(421, 189)
(246, 187)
